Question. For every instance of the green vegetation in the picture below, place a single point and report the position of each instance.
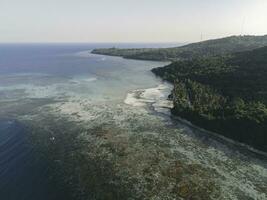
(219, 85)
(224, 94)
(120, 52)
(221, 46)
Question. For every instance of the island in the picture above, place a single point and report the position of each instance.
(219, 85)
(207, 48)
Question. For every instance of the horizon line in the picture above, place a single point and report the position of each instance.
(126, 42)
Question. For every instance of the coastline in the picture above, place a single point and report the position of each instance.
(217, 136)
(129, 58)
(96, 146)
(225, 140)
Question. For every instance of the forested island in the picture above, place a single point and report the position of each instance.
(207, 48)
(219, 85)
(224, 94)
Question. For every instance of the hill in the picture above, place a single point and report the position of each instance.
(207, 48)
(224, 94)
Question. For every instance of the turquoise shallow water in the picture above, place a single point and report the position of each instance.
(99, 127)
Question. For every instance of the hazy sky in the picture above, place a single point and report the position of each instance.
(129, 20)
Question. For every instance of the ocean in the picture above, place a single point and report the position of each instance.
(74, 125)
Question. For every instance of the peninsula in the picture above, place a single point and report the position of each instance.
(219, 85)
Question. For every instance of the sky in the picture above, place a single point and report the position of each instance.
(129, 20)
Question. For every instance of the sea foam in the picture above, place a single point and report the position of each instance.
(156, 97)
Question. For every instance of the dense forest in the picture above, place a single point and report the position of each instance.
(224, 94)
(207, 48)
(220, 85)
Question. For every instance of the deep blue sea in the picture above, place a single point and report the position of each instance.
(22, 175)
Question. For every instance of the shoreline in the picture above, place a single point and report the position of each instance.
(221, 138)
(127, 58)
(217, 136)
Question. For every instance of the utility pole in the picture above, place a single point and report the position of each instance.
(243, 25)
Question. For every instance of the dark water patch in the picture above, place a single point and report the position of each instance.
(23, 175)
